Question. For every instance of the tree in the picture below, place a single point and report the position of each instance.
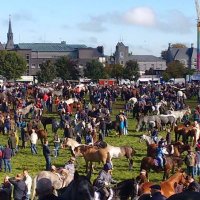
(178, 45)
(117, 71)
(175, 69)
(131, 70)
(66, 69)
(94, 70)
(47, 72)
(12, 65)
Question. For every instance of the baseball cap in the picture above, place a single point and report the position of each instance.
(156, 187)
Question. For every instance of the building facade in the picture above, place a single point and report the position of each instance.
(37, 53)
(186, 55)
(145, 62)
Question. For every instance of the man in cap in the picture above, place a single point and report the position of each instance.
(44, 190)
(103, 180)
(156, 193)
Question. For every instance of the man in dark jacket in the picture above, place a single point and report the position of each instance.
(156, 193)
(47, 155)
(20, 188)
(7, 154)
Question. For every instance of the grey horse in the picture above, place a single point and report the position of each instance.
(168, 120)
(145, 121)
(56, 179)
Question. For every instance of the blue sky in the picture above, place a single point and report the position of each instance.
(146, 26)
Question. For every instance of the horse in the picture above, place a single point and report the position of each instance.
(92, 154)
(179, 113)
(168, 120)
(144, 121)
(79, 188)
(56, 180)
(171, 162)
(26, 110)
(42, 134)
(117, 152)
(70, 143)
(122, 191)
(148, 139)
(167, 187)
(186, 132)
(46, 120)
(175, 149)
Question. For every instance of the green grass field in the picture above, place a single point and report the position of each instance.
(36, 163)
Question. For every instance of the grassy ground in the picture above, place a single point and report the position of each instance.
(36, 163)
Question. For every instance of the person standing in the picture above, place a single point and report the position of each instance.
(7, 187)
(47, 155)
(20, 189)
(7, 154)
(197, 154)
(56, 144)
(168, 137)
(28, 182)
(12, 143)
(33, 139)
(190, 162)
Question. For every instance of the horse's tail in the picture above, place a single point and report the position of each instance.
(33, 188)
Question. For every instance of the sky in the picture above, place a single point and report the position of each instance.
(146, 26)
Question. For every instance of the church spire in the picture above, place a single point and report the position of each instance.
(10, 43)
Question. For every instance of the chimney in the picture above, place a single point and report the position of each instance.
(169, 45)
(100, 49)
(192, 45)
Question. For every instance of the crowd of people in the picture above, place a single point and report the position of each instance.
(87, 121)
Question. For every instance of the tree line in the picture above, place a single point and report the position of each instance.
(13, 66)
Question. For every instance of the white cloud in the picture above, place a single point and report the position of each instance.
(142, 16)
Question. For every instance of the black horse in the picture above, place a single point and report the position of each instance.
(46, 120)
(81, 188)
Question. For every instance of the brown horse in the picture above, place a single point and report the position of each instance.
(171, 162)
(175, 149)
(42, 135)
(168, 186)
(186, 132)
(92, 154)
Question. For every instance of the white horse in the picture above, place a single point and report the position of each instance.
(25, 110)
(180, 113)
(58, 181)
(148, 139)
(117, 152)
(70, 143)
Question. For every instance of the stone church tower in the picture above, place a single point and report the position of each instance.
(10, 43)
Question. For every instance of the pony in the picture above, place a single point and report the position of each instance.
(185, 132)
(46, 120)
(56, 180)
(117, 152)
(179, 113)
(92, 154)
(25, 110)
(122, 191)
(70, 143)
(171, 162)
(79, 188)
(175, 149)
(167, 187)
(144, 121)
(148, 139)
